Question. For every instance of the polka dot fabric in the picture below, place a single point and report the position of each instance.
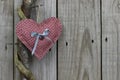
(25, 27)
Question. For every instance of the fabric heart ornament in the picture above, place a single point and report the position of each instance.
(26, 28)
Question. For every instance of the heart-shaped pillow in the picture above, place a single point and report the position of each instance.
(25, 27)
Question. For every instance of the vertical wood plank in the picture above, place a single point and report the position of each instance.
(6, 39)
(17, 4)
(79, 55)
(111, 39)
(46, 68)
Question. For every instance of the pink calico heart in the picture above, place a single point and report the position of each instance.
(25, 27)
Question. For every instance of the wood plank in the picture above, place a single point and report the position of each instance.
(79, 55)
(6, 39)
(111, 39)
(46, 68)
(17, 4)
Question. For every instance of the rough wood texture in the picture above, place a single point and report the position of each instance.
(111, 39)
(79, 54)
(6, 39)
(17, 4)
(46, 68)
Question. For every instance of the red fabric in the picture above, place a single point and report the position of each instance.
(25, 27)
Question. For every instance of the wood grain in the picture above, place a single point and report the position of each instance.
(79, 55)
(6, 39)
(17, 4)
(111, 39)
(46, 68)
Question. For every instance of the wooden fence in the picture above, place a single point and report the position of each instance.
(88, 49)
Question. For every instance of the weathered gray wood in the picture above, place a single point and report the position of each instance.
(46, 68)
(6, 39)
(79, 55)
(17, 4)
(111, 39)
